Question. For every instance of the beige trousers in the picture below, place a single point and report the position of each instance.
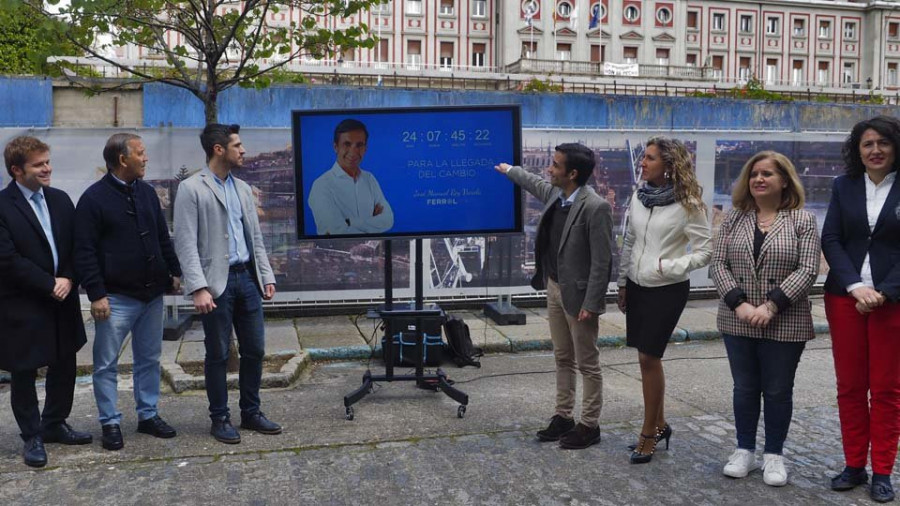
(575, 348)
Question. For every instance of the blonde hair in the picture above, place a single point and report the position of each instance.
(680, 172)
(792, 197)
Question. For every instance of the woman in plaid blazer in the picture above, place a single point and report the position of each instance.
(765, 259)
(861, 241)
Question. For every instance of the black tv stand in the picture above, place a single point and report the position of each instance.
(422, 314)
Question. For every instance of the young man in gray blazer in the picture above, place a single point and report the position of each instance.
(227, 274)
(573, 254)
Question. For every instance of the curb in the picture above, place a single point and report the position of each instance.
(180, 381)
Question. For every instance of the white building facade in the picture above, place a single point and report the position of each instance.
(782, 43)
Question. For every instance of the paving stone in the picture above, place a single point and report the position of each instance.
(281, 338)
(334, 331)
(194, 334)
(699, 323)
(191, 352)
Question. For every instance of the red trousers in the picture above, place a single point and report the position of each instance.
(866, 350)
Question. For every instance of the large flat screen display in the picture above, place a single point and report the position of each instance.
(406, 172)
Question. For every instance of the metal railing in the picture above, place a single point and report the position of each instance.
(587, 68)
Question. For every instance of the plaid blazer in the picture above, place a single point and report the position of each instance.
(788, 263)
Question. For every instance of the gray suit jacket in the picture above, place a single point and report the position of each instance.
(201, 234)
(585, 251)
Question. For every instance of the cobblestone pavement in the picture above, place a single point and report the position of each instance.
(406, 446)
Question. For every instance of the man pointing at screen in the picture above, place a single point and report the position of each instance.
(346, 199)
(573, 252)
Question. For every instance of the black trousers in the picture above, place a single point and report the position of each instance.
(57, 405)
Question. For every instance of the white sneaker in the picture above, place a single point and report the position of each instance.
(774, 473)
(740, 463)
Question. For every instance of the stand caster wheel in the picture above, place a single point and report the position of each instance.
(460, 411)
(349, 415)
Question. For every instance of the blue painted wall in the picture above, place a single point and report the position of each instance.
(26, 102)
(166, 105)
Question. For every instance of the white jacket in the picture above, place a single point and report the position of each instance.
(659, 237)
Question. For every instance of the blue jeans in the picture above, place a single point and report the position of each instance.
(762, 367)
(145, 322)
(240, 306)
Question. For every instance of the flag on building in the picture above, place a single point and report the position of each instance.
(595, 17)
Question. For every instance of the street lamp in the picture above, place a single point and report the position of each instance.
(869, 83)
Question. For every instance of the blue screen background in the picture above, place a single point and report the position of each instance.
(436, 168)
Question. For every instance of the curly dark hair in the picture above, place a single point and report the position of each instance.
(887, 126)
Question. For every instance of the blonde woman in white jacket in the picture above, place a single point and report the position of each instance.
(667, 236)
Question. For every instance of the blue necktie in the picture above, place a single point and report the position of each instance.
(44, 218)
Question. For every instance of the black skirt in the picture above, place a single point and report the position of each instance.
(651, 315)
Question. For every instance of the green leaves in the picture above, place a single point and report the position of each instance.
(207, 45)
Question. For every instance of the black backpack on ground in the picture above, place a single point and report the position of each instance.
(459, 343)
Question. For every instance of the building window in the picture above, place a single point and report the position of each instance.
(347, 55)
(479, 8)
(629, 54)
(746, 23)
(744, 69)
(596, 53)
(850, 30)
(664, 15)
(718, 66)
(824, 29)
(447, 7)
(772, 26)
(690, 60)
(771, 71)
(446, 61)
(414, 54)
(381, 53)
(564, 52)
(414, 6)
(529, 50)
(381, 9)
(598, 13)
(893, 30)
(822, 74)
(718, 21)
(693, 20)
(891, 74)
(799, 27)
(530, 7)
(478, 51)
(564, 9)
(632, 13)
(662, 56)
(848, 75)
(797, 73)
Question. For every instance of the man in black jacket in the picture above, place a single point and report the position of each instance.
(41, 316)
(126, 262)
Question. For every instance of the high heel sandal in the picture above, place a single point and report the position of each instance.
(664, 433)
(638, 456)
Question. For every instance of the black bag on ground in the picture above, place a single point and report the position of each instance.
(459, 343)
(404, 349)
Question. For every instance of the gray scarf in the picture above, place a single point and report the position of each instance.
(652, 196)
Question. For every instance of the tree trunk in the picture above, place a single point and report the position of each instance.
(211, 109)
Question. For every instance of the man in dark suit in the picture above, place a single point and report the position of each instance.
(573, 253)
(41, 317)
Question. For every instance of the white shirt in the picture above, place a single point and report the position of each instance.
(342, 205)
(876, 195)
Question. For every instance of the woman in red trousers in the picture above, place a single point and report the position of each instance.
(861, 242)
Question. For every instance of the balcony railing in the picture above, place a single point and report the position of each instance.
(586, 68)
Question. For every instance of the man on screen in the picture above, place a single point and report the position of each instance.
(573, 252)
(347, 199)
